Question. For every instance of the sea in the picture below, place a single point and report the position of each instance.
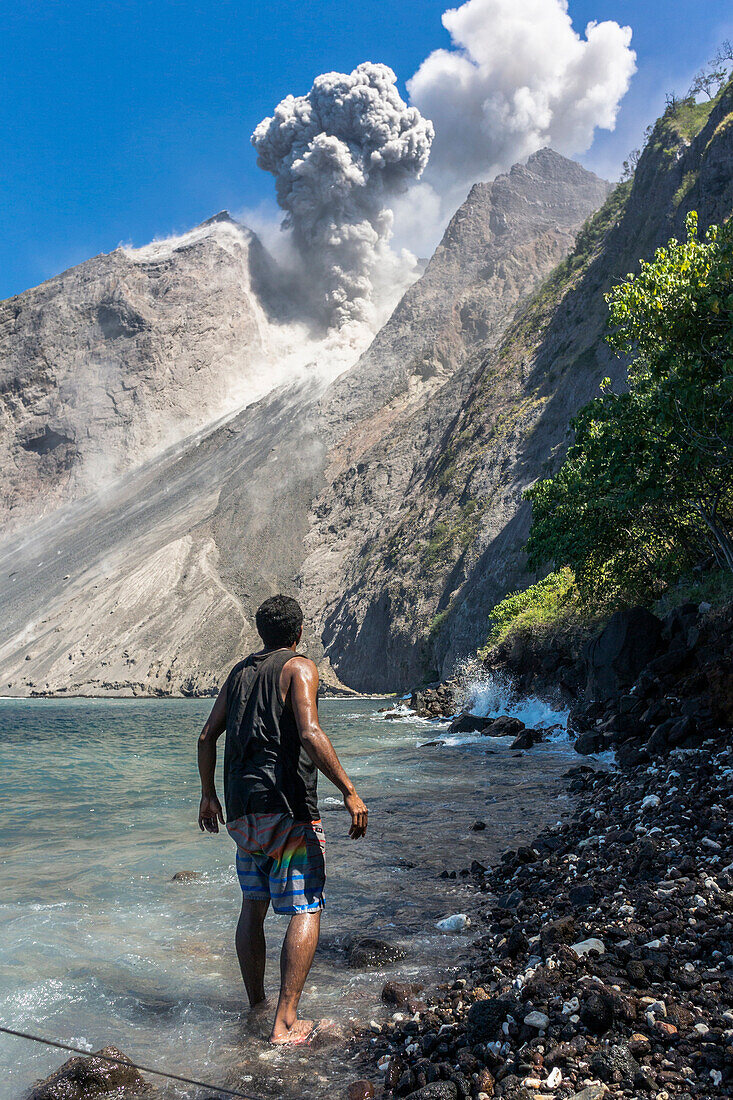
(99, 946)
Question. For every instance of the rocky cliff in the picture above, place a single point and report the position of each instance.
(109, 362)
(439, 553)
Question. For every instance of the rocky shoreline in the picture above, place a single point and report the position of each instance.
(605, 964)
(605, 967)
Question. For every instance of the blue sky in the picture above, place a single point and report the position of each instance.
(128, 119)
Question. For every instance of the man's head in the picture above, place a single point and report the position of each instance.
(279, 622)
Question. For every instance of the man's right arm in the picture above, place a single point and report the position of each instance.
(303, 694)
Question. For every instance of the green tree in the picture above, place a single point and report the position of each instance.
(647, 486)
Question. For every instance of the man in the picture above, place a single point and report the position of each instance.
(274, 750)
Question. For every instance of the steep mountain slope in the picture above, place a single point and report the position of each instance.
(501, 242)
(437, 556)
(108, 362)
(151, 585)
(150, 588)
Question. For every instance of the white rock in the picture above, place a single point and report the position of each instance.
(716, 1077)
(554, 1079)
(455, 923)
(650, 802)
(582, 947)
(537, 1019)
(702, 1029)
(531, 1083)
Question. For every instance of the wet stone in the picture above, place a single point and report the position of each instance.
(80, 1077)
(187, 876)
(368, 952)
(360, 1090)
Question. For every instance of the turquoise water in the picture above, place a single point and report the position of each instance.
(98, 946)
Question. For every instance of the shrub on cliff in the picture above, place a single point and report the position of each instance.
(646, 489)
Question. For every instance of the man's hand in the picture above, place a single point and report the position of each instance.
(210, 813)
(359, 815)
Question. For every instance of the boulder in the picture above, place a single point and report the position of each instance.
(584, 947)
(526, 738)
(81, 1077)
(367, 952)
(503, 726)
(467, 723)
(555, 932)
(581, 895)
(630, 640)
(588, 743)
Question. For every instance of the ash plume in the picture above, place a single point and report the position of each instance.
(340, 155)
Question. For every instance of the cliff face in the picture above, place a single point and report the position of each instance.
(436, 554)
(388, 417)
(109, 362)
(501, 242)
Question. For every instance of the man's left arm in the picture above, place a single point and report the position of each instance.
(210, 811)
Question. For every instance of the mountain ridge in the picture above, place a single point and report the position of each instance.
(207, 530)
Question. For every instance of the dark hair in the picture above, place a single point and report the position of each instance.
(279, 620)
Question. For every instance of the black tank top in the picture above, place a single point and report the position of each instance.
(266, 768)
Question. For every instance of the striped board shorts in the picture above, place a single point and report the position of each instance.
(281, 860)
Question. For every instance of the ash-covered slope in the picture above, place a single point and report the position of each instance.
(437, 554)
(109, 362)
(150, 588)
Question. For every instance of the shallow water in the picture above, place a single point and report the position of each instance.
(98, 946)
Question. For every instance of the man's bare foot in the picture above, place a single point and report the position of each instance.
(302, 1031)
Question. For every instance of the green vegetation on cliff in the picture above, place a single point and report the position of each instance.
(646, 490)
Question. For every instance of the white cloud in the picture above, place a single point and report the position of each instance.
(518, 77)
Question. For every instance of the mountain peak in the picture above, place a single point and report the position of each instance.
(549, 164)
(222, 216)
